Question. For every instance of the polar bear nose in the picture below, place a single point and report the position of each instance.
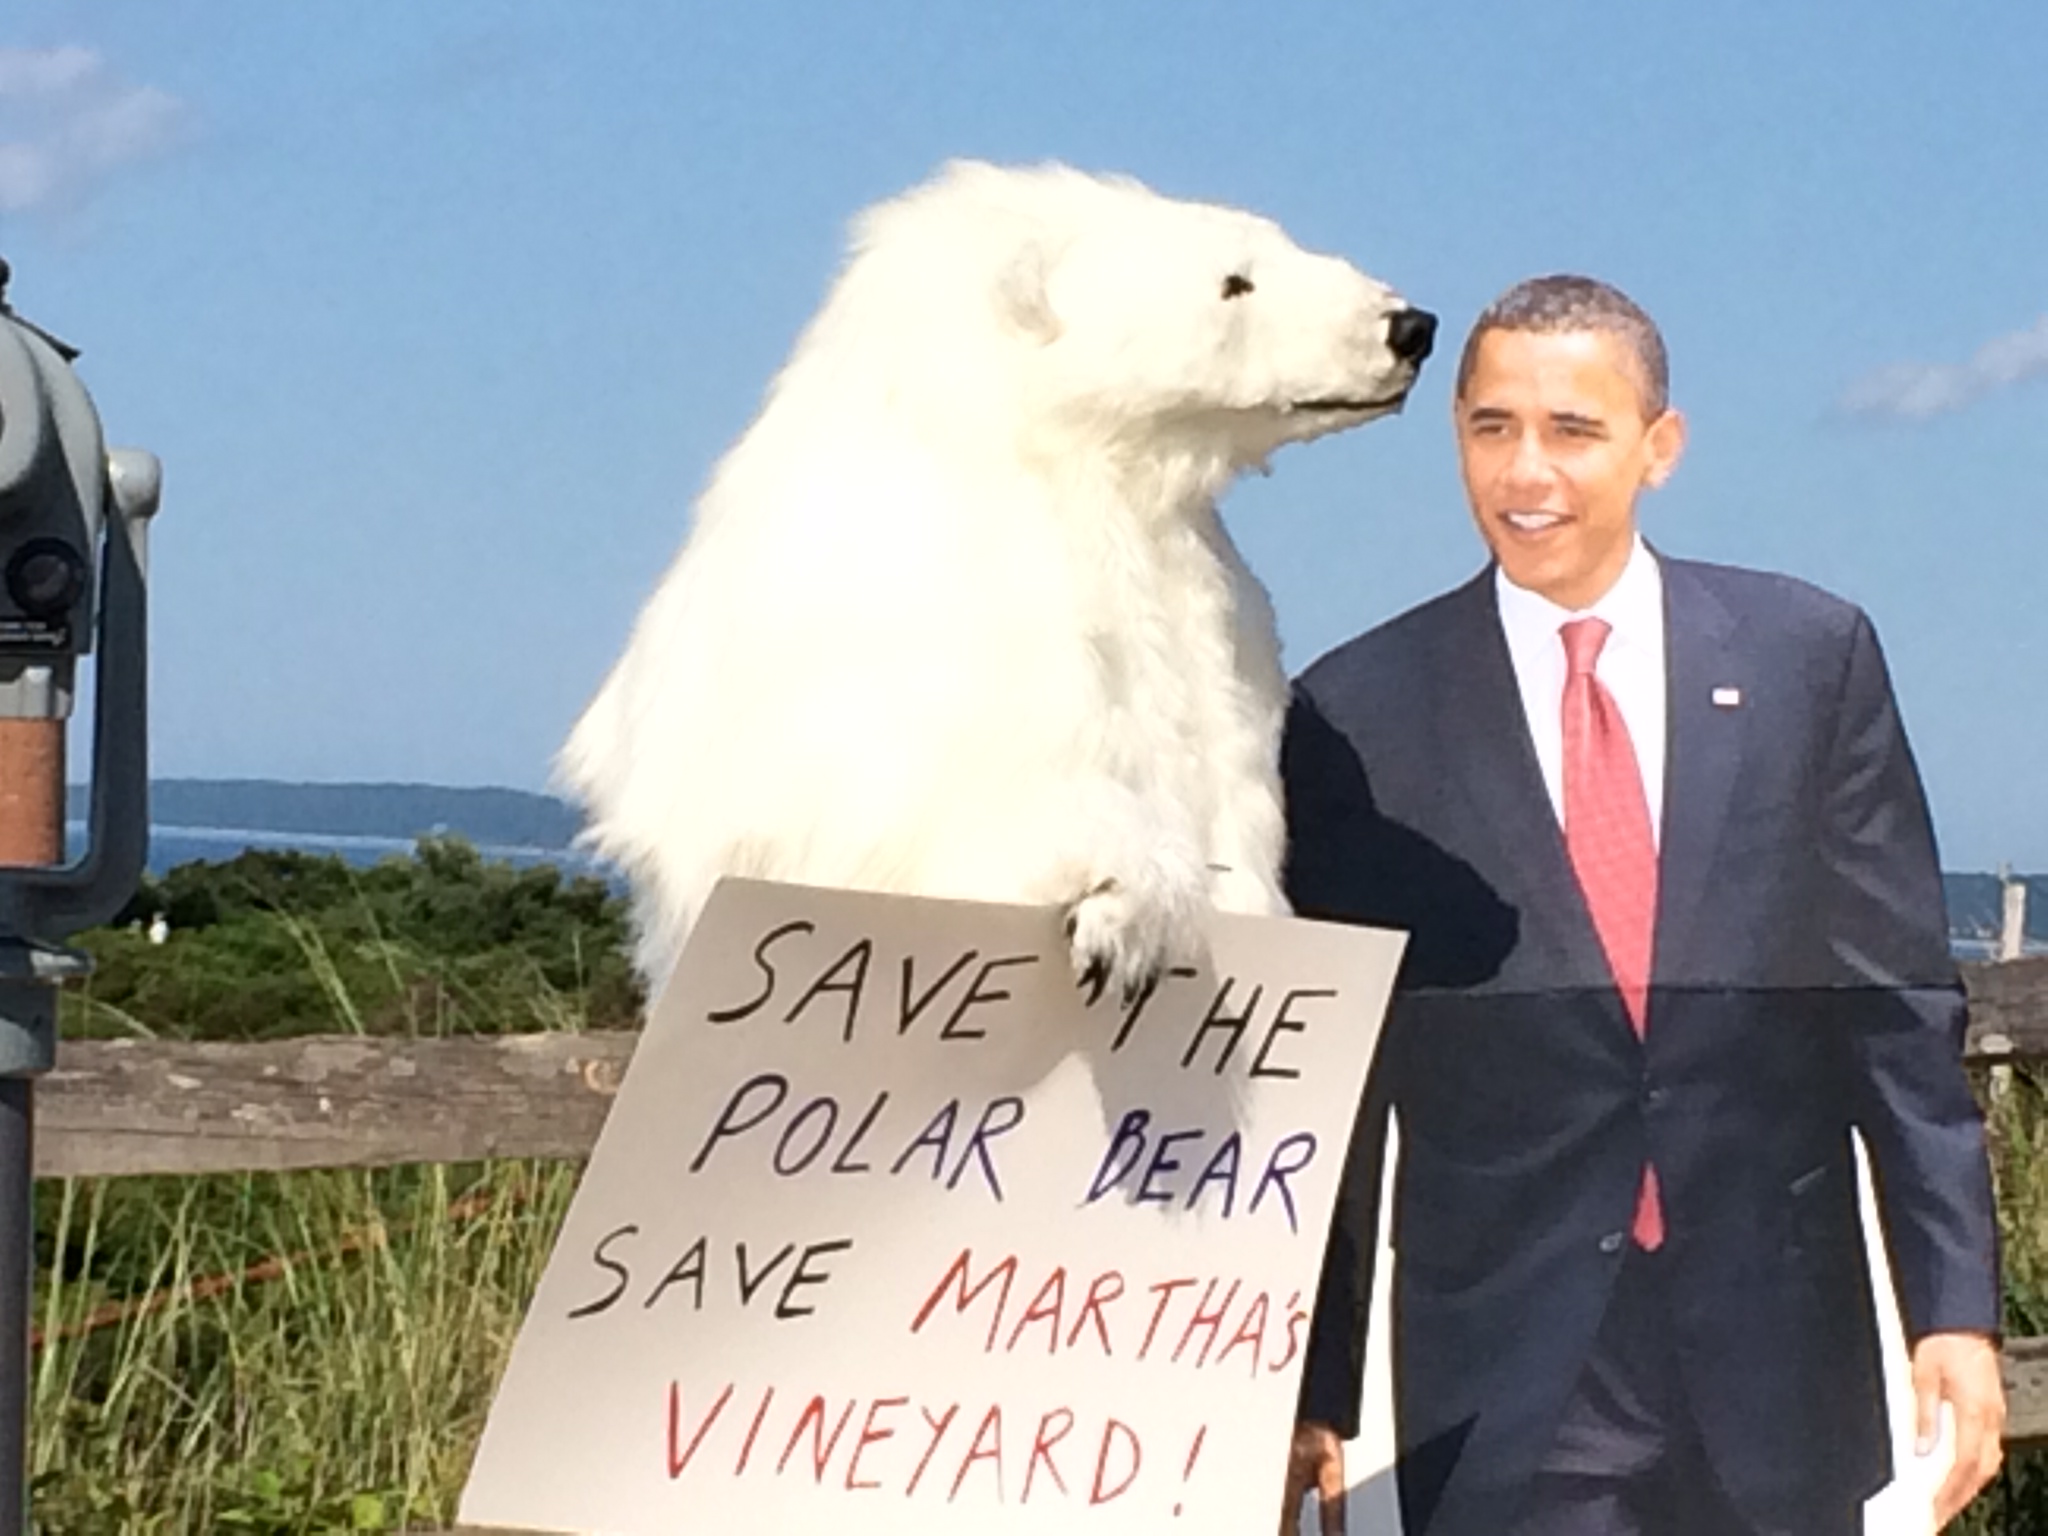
(1411, 333)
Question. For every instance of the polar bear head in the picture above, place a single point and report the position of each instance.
(1079, 306)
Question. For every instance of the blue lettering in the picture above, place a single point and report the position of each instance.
(1128, 1144)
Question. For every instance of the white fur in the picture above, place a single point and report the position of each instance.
(957, 616)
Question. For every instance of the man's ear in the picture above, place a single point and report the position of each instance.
(1666, 443)
(1021, 298)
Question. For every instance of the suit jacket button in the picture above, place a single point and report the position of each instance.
(1612, 1242)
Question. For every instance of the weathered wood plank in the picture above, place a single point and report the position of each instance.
(2008, 1010)
(183, 1107)
(155, 1106)
(2026, 1392)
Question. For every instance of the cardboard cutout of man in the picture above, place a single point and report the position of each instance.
(1677, 931)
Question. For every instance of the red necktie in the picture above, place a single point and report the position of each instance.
(1607, 833)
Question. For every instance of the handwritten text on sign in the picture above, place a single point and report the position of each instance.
(892, 1230)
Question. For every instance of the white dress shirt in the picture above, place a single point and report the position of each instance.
(1631, 666)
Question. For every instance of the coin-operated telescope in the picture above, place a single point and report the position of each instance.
(73, 526)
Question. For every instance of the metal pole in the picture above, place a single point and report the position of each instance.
(60, 489)
(31, 833)
(17, 1281)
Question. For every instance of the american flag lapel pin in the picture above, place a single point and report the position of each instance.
(1727, 698)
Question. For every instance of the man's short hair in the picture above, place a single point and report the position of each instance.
(1567, 302)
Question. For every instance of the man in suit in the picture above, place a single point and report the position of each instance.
(1677, 930)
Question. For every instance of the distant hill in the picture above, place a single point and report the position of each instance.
(494, 817)
(515, 818)
(1976, 905)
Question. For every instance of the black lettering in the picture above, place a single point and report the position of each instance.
(857, 957)
(805, 1158)
(725, 1126)
(907, 1009)
(860, 1134)
(976, 995)
(602, 1260)
(802, 1276)
(938, 1135)
(1233, 1025)
(689, 1267)
(753, 1006)
(750, 1285)
(1283, 1025)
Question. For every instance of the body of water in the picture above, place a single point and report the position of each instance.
(172, 846)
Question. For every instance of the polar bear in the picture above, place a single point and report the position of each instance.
(957, 616)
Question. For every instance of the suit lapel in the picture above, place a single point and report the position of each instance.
(1486, 737)
(1707, 718)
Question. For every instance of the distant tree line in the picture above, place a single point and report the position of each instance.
(280, 942)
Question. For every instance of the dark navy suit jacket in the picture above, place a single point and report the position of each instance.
(1802, 987)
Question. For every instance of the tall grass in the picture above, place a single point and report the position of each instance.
(299, 1353)
(302, 1354)
(311, 1353)
(2016, 1101)
(291, 1354)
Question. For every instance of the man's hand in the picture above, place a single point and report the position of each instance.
(1315, 1461)
(1960, 1369)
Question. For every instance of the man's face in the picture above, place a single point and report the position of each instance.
(1554, 447)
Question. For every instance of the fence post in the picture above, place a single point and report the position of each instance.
(2012, 935)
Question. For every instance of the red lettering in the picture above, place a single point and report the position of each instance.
(992, 1420)
(1296, 1321)
(813, 1416)
(1250, 1330)
(1099, 1294)
(1164, 1291)
(1205, 1319)
(1187, 1472)
(1046, 1306)
(1098, 1493)
(1041, 1450)
(760, 1413)
(938, 1428)
(956, 1277)
(676, 1463)
(869, 1435)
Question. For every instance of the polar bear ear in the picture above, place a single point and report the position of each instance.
(1021, 298)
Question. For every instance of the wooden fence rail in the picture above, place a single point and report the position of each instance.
(181, 1107)
(185, 1107)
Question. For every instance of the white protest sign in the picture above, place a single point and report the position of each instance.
(890, 1230)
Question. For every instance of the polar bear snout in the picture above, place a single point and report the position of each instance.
(1411, 333)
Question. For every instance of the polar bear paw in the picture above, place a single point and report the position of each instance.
(1122, 940)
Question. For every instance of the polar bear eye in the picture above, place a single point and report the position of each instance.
(1236, 285)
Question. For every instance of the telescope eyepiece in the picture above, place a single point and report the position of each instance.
(45, 578)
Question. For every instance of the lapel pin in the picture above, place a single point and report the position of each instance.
(1727, 698)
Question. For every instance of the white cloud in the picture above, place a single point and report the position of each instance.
(67, 122)
(1918, 391)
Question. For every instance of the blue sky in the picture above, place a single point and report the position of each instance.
(439, 314)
